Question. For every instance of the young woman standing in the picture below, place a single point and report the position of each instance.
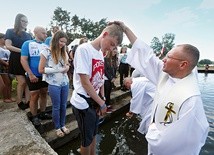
(54, 65)
(15, 37)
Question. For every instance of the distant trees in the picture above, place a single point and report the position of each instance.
(205, 61)
(61, 18)
(76, 27)
(166, 44)
(156, 45)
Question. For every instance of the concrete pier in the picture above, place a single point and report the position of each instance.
(18, 136)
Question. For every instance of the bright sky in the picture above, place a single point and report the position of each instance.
(192, 21)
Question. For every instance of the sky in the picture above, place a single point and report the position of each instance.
(192, 21)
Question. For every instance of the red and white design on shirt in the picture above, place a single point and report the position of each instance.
(97, 79)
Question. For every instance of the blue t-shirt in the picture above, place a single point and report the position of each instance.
(17, 40)
(48, 41)
(32, 49)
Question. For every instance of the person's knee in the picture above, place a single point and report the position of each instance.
(34, 95)
(2, 85)
(43, 92)
(21, 81)
(56, 107)
(43, 95)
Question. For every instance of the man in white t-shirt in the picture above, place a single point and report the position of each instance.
(88, 96)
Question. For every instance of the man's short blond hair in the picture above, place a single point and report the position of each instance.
(115, 30)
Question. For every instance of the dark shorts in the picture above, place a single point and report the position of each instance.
(36, 86)
(87, 120)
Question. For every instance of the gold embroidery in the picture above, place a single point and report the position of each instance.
(168, 116)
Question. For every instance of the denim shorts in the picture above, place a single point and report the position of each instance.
(87, 120)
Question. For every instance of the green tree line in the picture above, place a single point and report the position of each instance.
(76, 27)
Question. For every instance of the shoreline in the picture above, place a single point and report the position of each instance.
(203, 70)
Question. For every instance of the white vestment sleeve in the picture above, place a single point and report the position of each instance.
(136, 58)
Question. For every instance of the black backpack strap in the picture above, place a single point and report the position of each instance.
(90, 101)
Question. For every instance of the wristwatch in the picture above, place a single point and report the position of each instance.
(103, 98)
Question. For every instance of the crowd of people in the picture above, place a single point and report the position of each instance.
(165, 92)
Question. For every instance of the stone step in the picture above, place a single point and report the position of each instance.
(55, 142)
(120, 102)
(48, 125)
(49, 103)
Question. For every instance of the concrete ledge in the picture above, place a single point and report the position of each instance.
(19, 137)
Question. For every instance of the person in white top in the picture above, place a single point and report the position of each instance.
(54, 64)
(178, 122)
(88, 81)
(123, 66)
(142, 97)
(5, 80)
(136, 73)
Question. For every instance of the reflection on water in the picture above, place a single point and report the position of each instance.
(117, 132)
(120, 136)
(206, 83)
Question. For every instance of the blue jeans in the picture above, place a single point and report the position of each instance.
(59, 96)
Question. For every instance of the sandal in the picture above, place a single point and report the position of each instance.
(13, 99)
(65, 130)
(59, 133)
(129, 114)
(7, 101)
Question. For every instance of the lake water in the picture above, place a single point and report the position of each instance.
(120, 136)
(206, 83)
